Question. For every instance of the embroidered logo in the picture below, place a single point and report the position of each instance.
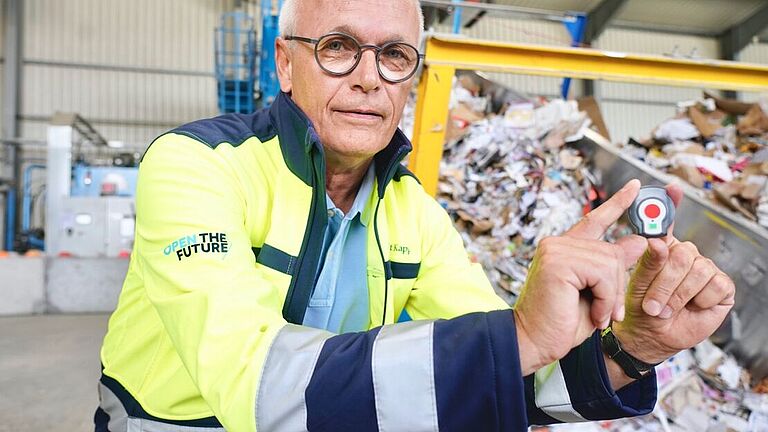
(206, 242)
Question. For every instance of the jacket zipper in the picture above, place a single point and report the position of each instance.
(392, 166)
(311, 228)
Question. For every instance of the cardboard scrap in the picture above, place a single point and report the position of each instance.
(707, 123)
(718, 145)
(589, 105)
(755, 122)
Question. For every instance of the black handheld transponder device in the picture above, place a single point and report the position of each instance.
(652, 212)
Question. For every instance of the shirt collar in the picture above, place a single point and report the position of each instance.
(361, 199)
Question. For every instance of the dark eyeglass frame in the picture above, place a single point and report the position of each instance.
(360, 48)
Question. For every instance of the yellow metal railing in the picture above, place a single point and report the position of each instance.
(445, 54)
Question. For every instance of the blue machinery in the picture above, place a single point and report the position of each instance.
(236, 74)
(235, 42)
(26, 207)
(268, 83)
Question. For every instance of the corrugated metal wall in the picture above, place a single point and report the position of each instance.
(755, 53)
(133, 69)
(524, 31)
(632, 110)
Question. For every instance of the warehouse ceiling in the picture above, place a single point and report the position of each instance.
(701, 17)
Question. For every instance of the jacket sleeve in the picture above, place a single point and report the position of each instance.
(219, 312)
(575, 388)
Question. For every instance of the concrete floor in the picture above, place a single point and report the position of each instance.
(49, 366)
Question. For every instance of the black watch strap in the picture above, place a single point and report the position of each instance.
(633, 367)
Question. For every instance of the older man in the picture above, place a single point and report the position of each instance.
(275, 251)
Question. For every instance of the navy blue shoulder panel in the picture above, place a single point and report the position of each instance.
(229, 128)
(403, 171)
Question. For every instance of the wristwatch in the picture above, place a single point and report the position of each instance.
(633, 367)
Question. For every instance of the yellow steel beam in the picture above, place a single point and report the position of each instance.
(445, 54)
(434, 94)
(463, 53)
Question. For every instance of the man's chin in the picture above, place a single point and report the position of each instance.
(356, 147)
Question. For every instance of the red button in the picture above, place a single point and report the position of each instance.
(652, 211)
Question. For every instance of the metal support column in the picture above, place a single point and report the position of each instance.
(14, 15)
(457, 18)
(430, 123)
(736, 38)
(58, 180)
(576, 27)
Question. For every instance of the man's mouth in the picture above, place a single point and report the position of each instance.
(361, 113)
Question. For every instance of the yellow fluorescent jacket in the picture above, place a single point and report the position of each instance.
(230, 216)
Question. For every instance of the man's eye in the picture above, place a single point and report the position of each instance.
(394, 53)
(335, 45)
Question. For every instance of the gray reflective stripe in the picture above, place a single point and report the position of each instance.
(552, 395)
(120, 422)
(404, 378)
(144, 425)
(280, 404)
(114, 408)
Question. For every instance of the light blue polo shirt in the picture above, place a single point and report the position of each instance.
(339, 302)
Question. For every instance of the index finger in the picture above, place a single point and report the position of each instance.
(594, 224)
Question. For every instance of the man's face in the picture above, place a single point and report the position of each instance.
(355, 115)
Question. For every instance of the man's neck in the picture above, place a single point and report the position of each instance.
(342, 181)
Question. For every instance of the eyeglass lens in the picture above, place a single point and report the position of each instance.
(339, 55)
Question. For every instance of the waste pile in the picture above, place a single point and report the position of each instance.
(510, 179)
(718, 145)
(700, 390)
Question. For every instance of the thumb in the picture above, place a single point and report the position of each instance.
(649, 267)
(633, 247)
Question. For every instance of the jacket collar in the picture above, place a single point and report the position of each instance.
(298, 138)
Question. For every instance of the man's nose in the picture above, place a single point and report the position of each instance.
(366, 74)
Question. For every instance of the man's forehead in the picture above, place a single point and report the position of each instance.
(371, 21)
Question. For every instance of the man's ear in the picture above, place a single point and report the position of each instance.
(284, 64)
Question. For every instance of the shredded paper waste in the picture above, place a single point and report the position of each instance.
(511, 179)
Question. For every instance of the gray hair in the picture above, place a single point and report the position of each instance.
(288, 12)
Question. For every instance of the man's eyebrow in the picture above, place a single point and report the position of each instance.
(392, 37)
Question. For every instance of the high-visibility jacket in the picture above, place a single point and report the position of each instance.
(206, 334)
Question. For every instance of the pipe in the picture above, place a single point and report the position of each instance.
(26, 198)
(10, 217)
(457, 18)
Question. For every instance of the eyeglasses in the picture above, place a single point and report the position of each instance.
(339, 54)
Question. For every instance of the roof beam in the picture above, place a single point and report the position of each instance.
(599, 18)
(733, 40)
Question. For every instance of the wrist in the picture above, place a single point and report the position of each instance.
(613, 348)
(616, 374)
(530, 357)
(637, 347)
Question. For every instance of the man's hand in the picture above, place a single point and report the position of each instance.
(575, 284)
(677, 298)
